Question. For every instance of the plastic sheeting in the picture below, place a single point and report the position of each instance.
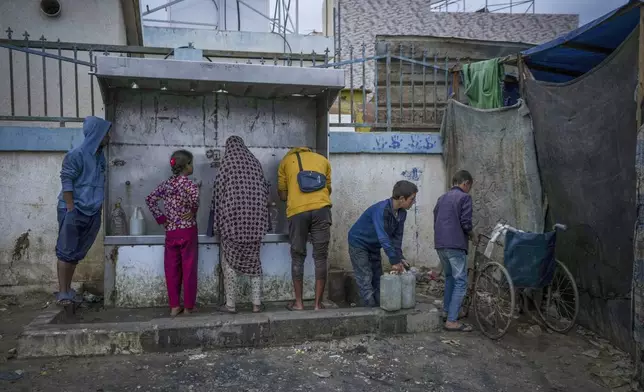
(585, 133)
(497, 147)
(583, 49)
(638, 264)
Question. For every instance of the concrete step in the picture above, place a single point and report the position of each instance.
(50, 336)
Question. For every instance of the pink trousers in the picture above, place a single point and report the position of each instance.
(180, 262)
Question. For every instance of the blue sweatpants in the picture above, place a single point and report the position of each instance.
(76, 234)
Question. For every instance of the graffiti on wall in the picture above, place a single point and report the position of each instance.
(387, 143)
(412, 174)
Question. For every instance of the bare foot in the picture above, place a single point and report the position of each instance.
(189, 311)
(258, 308)
(293, 306)
(174, 312)
(320, 306)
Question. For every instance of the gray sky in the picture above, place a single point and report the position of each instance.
(311, 15)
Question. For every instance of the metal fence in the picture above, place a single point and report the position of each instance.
(397, 87)
(394, 88)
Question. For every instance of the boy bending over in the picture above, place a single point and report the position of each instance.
(380, 226)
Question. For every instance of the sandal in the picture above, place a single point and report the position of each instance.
(64, 299)
(75, 297)
(225, 309)
(460, 316)
(291, 307)
(461, 328)
(189, 311)
(174, 312)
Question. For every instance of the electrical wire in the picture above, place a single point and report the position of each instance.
(285, 41)
(238, 17)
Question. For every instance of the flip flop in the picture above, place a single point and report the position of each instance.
(460, 316)
(291, 307)
(10, 376)
(461, 328)
(64, 299)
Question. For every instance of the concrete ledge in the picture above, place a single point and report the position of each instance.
(48, 336)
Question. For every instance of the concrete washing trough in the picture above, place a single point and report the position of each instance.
(116, 331)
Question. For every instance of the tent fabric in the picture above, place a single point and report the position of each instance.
(585, 134)
(483, 84)
(581, 50)
(497, 147)
(638, 264)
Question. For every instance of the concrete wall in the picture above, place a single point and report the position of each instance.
(96, 21)
(29, 181)
(365, 168)
(359, 180)
(220, 30)
(243, 41)
(209, 14)
(89, 21)
(135, 276)
(30, 186)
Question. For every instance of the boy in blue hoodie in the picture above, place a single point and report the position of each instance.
(380, 226)
(80, 203)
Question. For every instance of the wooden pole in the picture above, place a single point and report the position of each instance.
(456, 83)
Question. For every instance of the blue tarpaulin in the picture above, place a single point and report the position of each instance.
(581, 50)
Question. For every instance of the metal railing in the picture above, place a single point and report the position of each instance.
(399, 88)
(387, 88)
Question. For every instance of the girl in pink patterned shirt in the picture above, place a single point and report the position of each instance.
(180, 198)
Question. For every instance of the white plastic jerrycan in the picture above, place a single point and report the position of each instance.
(390, 292)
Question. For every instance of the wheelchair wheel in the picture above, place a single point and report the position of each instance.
(494, 300)
(559, 302)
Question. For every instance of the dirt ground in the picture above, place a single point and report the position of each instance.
(527, 359)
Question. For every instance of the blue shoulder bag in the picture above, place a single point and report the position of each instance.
(309, 181)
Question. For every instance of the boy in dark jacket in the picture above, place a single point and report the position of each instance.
(380, 226)
(452, 228)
